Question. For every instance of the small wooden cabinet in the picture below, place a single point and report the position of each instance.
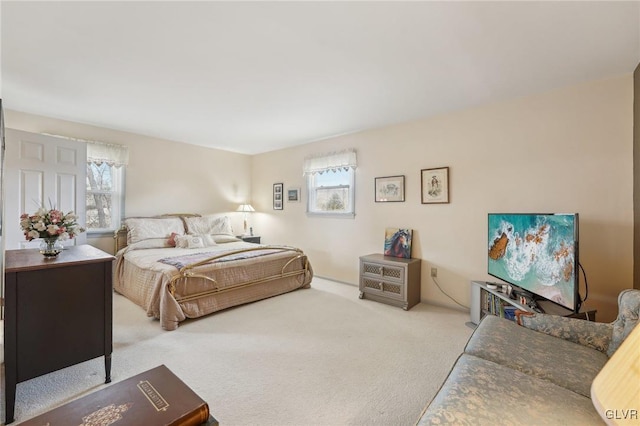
(58, 312)
(390, 280)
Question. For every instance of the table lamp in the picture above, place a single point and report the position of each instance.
(245, 208)
(615, 391)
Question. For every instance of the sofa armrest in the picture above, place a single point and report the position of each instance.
(595, 335)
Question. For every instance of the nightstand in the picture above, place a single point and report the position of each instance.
(250, 238)
(390, 280)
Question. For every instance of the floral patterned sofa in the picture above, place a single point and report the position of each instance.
(535, 374)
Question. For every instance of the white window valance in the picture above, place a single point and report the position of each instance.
(102, 152)
(112, 154)
(334, 161)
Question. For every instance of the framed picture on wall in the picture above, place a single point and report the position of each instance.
(293, 195)
(435, 185)
(389, 189)
(278, 196)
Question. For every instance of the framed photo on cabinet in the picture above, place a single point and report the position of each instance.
(435, 185)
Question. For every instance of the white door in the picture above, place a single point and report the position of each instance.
(42, 171)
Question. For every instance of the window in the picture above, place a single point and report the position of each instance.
(105, 186)
(331, 184)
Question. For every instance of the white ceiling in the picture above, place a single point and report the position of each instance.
(253, 77)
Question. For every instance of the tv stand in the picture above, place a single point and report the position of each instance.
(488, 301)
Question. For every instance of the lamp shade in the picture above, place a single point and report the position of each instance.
(245, 208)
(615, 391)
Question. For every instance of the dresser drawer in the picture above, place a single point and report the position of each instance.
(383, 271)
(383, 288)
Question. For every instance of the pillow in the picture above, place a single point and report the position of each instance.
(194, 241)
(221, 238)
(172, 239)
(208, 240)
(150, 227)
(149, 244)
(211, 224)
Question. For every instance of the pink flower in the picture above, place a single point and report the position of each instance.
(52, 223)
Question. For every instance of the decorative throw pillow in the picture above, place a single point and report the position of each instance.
(195, 241)
(189, 241)
(181, 241)
(172, 239)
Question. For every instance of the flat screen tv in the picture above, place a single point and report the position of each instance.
(538, 253)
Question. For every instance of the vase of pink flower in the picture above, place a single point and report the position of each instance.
(52, 226)
(50, 247)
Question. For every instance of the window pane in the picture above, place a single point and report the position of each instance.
(332, 199)
(99, 177)
(331, 192)
(330, 178)
(99, 211)
(105, 195)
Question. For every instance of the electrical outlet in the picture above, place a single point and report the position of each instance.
(434, 272)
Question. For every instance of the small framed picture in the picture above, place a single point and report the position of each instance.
(435, 185)
(278, 196)
(293, 195)
(389, 189)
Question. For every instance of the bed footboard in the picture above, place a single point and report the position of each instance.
(191, 271)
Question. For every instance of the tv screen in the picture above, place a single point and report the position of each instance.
(537, 253)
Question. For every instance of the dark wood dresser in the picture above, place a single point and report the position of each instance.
(58, 312)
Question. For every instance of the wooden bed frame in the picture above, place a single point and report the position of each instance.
(187, 272)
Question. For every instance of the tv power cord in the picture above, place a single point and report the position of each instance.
(586, 285)
(445, 293)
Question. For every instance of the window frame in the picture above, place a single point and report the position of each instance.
(117, 201)
(311, 195)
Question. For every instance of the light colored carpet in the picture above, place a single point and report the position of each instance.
(318, 356)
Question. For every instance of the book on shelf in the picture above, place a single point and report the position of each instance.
(495, 305)
(509, 312)
(154, 397)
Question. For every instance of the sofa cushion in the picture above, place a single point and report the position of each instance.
(564, 363)
(481, 392)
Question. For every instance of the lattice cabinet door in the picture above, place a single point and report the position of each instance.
(390, 280)
(384, 280)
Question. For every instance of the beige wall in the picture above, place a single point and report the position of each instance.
(162, 176)
(565, 151)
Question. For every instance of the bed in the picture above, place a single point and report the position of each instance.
(183, 266)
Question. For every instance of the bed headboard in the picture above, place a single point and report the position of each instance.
(120, 236)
